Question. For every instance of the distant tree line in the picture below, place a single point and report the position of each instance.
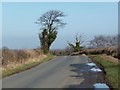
(102, 41)
(98, 45)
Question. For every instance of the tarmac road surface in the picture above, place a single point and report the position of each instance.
(61, 72)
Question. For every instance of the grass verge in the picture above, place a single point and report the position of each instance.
(24, 67)
(111, 69)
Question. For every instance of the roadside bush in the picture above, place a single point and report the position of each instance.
(18, 56)
(7, 55)
(21, 55)
(109, 51)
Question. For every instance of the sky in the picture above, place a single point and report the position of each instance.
(0, 25)
(86, 18)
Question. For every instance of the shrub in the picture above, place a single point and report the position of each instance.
(8, 56)
(18, 56)
(21, 55)
(109, 51)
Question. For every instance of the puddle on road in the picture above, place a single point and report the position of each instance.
(91, 64)
(93, 76)
(94, 67)
(101, 85)
(96, 70)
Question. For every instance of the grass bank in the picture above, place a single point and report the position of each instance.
(8, 72)
(111, 69)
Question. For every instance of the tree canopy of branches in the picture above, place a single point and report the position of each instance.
(102, 41)
(50, 22)
(77, 46)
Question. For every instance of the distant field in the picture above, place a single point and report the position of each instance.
(110, 67)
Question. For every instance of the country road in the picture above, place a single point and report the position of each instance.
(61, 72)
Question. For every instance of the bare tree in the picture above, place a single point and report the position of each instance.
(103, 41)
(50, 22)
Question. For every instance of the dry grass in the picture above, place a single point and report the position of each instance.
(15, 58)
(108, 51)
(15, 61)
(13, 65)
(19, 56)
(110, 58)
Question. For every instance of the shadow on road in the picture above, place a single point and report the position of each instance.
(83, 72)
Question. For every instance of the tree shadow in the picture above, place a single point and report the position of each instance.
(90, 78)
